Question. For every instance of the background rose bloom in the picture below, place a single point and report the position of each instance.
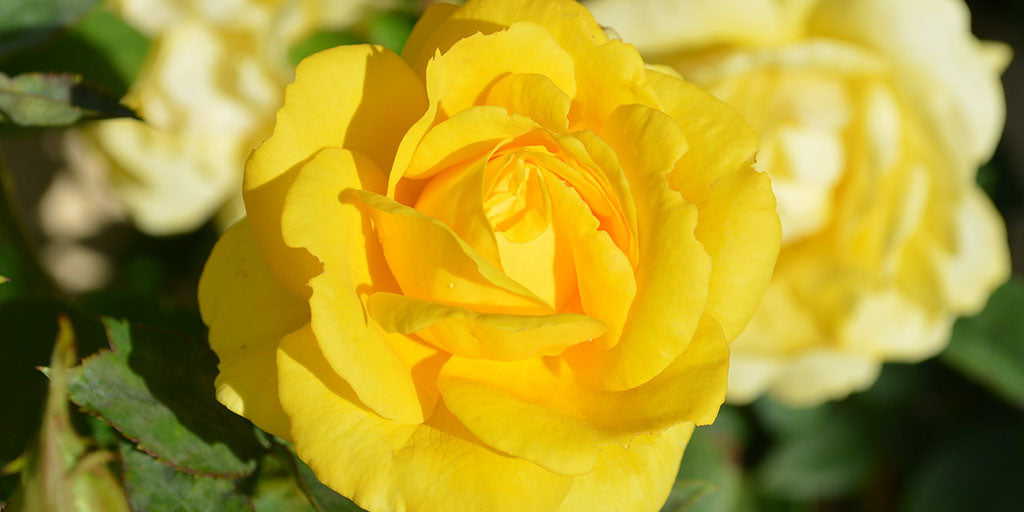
(207, 91)
(873, 117)
(503, 265)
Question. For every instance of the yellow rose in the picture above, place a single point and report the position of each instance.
(873, 116)
(498, 272)
(208, 92)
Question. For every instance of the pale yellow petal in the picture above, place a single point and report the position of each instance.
(816, 376)
(663, 26)
(936, 61)
(980, 259)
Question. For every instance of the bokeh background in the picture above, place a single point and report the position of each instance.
(946, 434)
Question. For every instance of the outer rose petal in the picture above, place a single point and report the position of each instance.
(362, 98)
(980, 260)
(664, 25)
(738, 223)
(248, 313)
(569, 22)
(931, 43)
(572, 423)
(834, 374)
(434, 467)
(456, 79)
(634, 479)
(674, 270)
(316, 217)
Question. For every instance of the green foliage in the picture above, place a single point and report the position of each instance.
(102, 49)
(152, 485)
(391, 29)
(156, 388)
(821, 453)
(276, 488)
(320, 41)
(979, 468)
(23, 277)
(710, 478)
(989, 347)
(320, 496)
(36, 99)
(29, 330)
(59, 474)
(27, 22)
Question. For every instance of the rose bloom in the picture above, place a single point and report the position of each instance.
(873, 116)
(498, 272)
(207, 91)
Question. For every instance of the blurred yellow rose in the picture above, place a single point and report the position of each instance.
(873, 116)
(207, 91)
(498, 272)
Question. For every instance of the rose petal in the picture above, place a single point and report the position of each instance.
(673, 273)
(432, 263)
(382, 465)
(248, 312)
(470, 334)
(316, 217)
(359, 97)
(570, 422)
(636, 478)
(738, 224)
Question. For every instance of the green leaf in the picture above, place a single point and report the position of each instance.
(277, 489)
(152, 485)
(989, 347)
(686, 493)
(27, 22)
(102, 48)
(29, 328)
(391, 29)
(18, 262)
(710, 478)
(59, 474)
(320, 41)
(825, 452)
(319, 495)
(156, 388)
(978, 468)
(36, 99)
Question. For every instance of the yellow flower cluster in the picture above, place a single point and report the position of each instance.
(873, 117)
(497, 272)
